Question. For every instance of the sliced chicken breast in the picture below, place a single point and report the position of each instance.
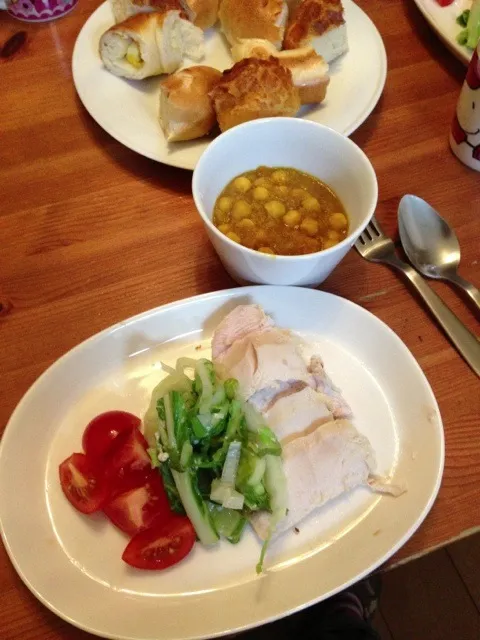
(263, 359)
(323, 384)
(297, 414)
(243, 320)
(332, 459)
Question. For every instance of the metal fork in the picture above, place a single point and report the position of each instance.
(375, 246)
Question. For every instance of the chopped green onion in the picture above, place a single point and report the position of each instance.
(186, 454)
(229, 471)
(462, 19)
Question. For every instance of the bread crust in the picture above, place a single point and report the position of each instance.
(309, 70)
(186, 109)
(123, 9)
(252, 89)
(139, 23)
(310, 19)
(205, 12)
(253, 19)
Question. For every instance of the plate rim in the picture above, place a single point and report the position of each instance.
(190, 166)
(457, 50)
(229, 294)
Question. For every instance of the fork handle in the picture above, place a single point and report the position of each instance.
(464, 340)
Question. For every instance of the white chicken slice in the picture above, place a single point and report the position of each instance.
(244, 319)
(332, 459)
(262, 360)
(268, 361)
(297, 414)
(323, 384)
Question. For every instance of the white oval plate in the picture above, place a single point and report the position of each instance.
(128, 110)
(442, 21)
(72, 563)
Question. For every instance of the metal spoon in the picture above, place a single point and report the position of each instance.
(431, 244)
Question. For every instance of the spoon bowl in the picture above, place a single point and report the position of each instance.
(431, 244)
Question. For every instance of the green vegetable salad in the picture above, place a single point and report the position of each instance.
(470, 21)
(218, 459)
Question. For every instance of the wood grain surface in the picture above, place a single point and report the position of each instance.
(92, 233)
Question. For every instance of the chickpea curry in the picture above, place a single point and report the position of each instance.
(280, 211)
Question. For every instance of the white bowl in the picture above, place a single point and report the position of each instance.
(285, 142)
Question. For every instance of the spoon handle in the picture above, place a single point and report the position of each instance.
(464, 340)
(470, 289)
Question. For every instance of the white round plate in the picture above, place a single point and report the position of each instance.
(128, 110)
(442, 20)
(72, 563)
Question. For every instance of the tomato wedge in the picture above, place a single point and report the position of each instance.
(135, 509)
(127, 456)
(162, 545)
(81, 484)
(102, 432)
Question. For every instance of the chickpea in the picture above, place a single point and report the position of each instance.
(338, 221)
(242, 184)
(224, 228)
(275, 208)
(225, 204)
(233, 236)
(292, 218)
(329, 243)
(299, 194)
(279, 176)
(282, 190)
(246, 223)
(260, 193)
(333, 235)
(261, 182)
(241, 209)
(311, 204)
(310, 226)
(267, 250)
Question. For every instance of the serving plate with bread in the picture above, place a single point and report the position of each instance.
(164, 77)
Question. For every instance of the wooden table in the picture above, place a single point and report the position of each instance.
(92, 233)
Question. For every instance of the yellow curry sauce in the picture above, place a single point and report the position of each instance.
(280, 211)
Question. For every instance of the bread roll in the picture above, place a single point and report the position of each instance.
(254, 19)
(149, 44)
(309, 70)
(204, 12)
(186, 109)
(123, 9)
(319, 24)
(252, 89)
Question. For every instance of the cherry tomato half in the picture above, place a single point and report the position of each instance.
(444, 3)
(135, 509)
(102, 432)
(81, 484)
(161, 545)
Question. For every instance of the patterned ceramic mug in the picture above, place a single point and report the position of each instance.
(465, 130)
(37, 10)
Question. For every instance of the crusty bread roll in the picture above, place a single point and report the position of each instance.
(149, 44)
(252, 89)
(309, 70)
(204, 12)
(186, 109)
(319, 24)
(254, 19)
(123, 9)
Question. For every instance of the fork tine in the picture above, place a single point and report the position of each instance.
(362, 239)
(376, 225)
